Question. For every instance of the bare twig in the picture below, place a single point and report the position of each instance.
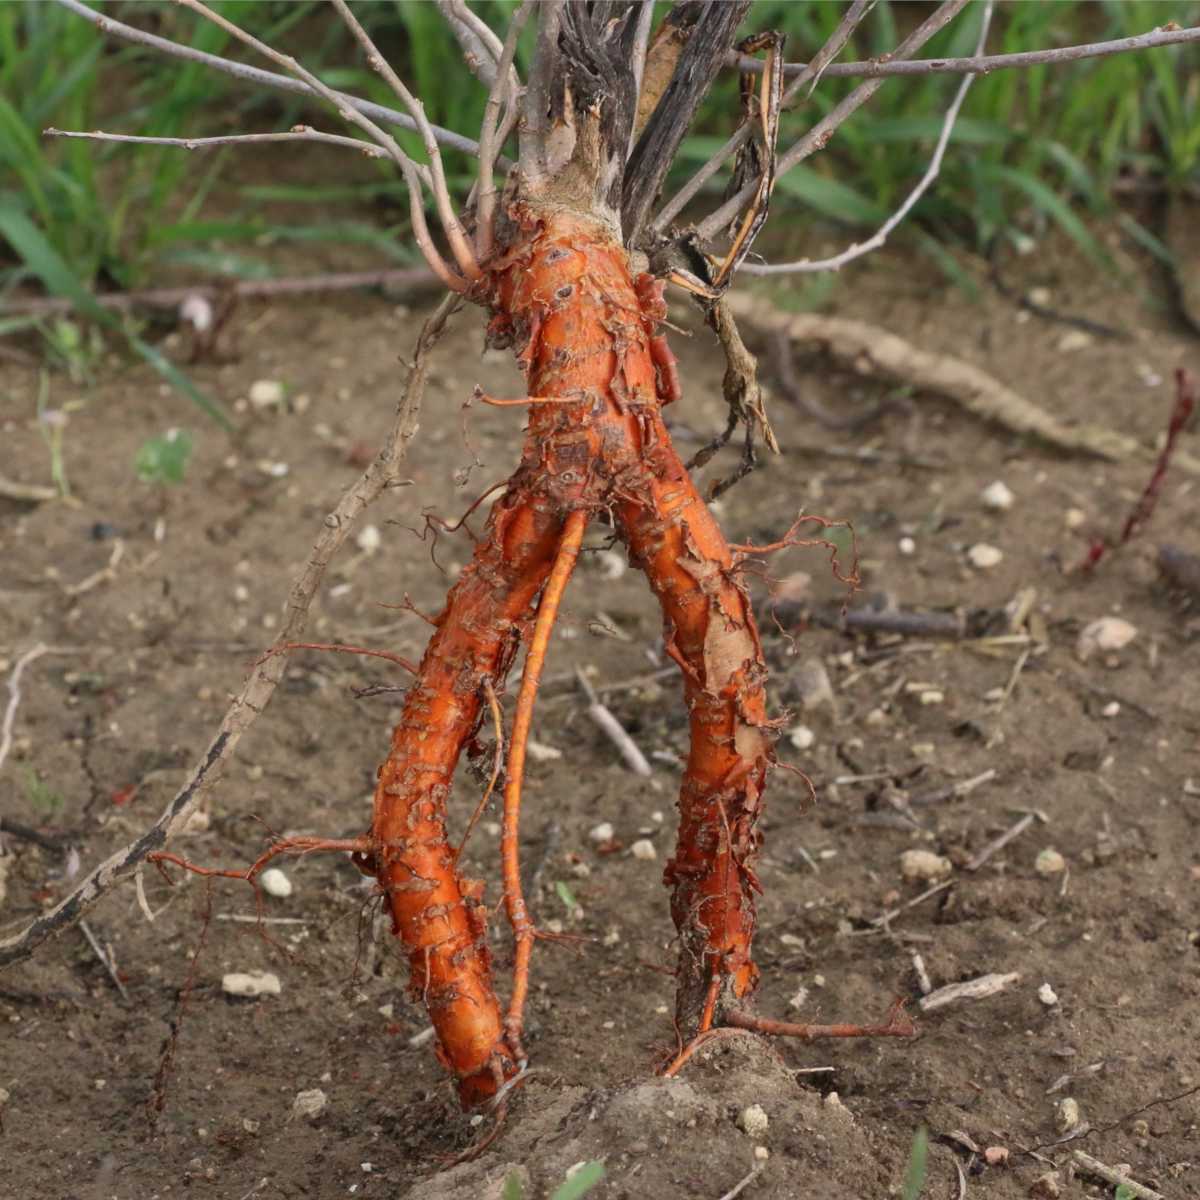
(833, 47)
(298, 133)
(461, 247)
(1169, 34)
(635, 760)
(261, 683)
(746, 1180)
(997, 844)
(885, 918)
(398, 277)
(881, 235)
(970, 989)
(105, 959)
(481, 47)
(818, 136)
(129, 33)
(14, 695)
(1143, 510)
(34, 493)
(408, 168)
(490, 140)
(1093, 1166)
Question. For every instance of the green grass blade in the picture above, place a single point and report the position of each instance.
(914, 1176)
(181, 383)
(581, 1182)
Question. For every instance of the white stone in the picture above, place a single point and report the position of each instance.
(983, 557)
(1075, 339)
(1047, 995)
(997, 496)
(251, 983)
(1107, 633)
(1066, 1114)
(266, 393)
(610, 564)
(603, 832)
(276, 883)
(369, 540)
(1050, 862)
(924, 865)
(643, 848)
(1074, 518)
(753, 1121)
(906, 546)
(310, 1103)
(540, 752)
(933, 696)
(802, 737)
(1111, 709)
(761, 1153)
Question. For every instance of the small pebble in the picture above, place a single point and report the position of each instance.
(997, 496)
(611, 564)
(983, 557)
(1075, 339)
(540, 752)
(761, 1153)
(812, 684)
(753, 1121)
(266, 393)
(251, 983)
(1111, 709)
(996, 1156)
(1049, 862)
(1074, 518)
(802, 737)
(369, 540)
(906, 546)
(1046, 1187)
(1107, 633)
(1066, 1114)
(310, 1103)
(276, 883)
(603, 832)
(1047, 995)
(924, 865)
(933, 696)
(643, 848)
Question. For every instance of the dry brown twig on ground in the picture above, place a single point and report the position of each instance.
(602, 114)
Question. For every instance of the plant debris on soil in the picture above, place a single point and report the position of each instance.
(991, 805)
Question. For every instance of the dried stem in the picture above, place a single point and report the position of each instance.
(298, 133)
(514, 898)
(837, 261)
(14, 695)
(490, 140)
(497, 765)
(840, 36)
(408, 168)
(818, 137)
(1169, 34)
(398, 277)
(256, 692)
(255, 75)
(480, 47)
(459, 244)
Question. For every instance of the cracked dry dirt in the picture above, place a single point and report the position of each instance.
(1103, 750)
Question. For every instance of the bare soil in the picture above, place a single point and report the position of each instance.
(1104, 751)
